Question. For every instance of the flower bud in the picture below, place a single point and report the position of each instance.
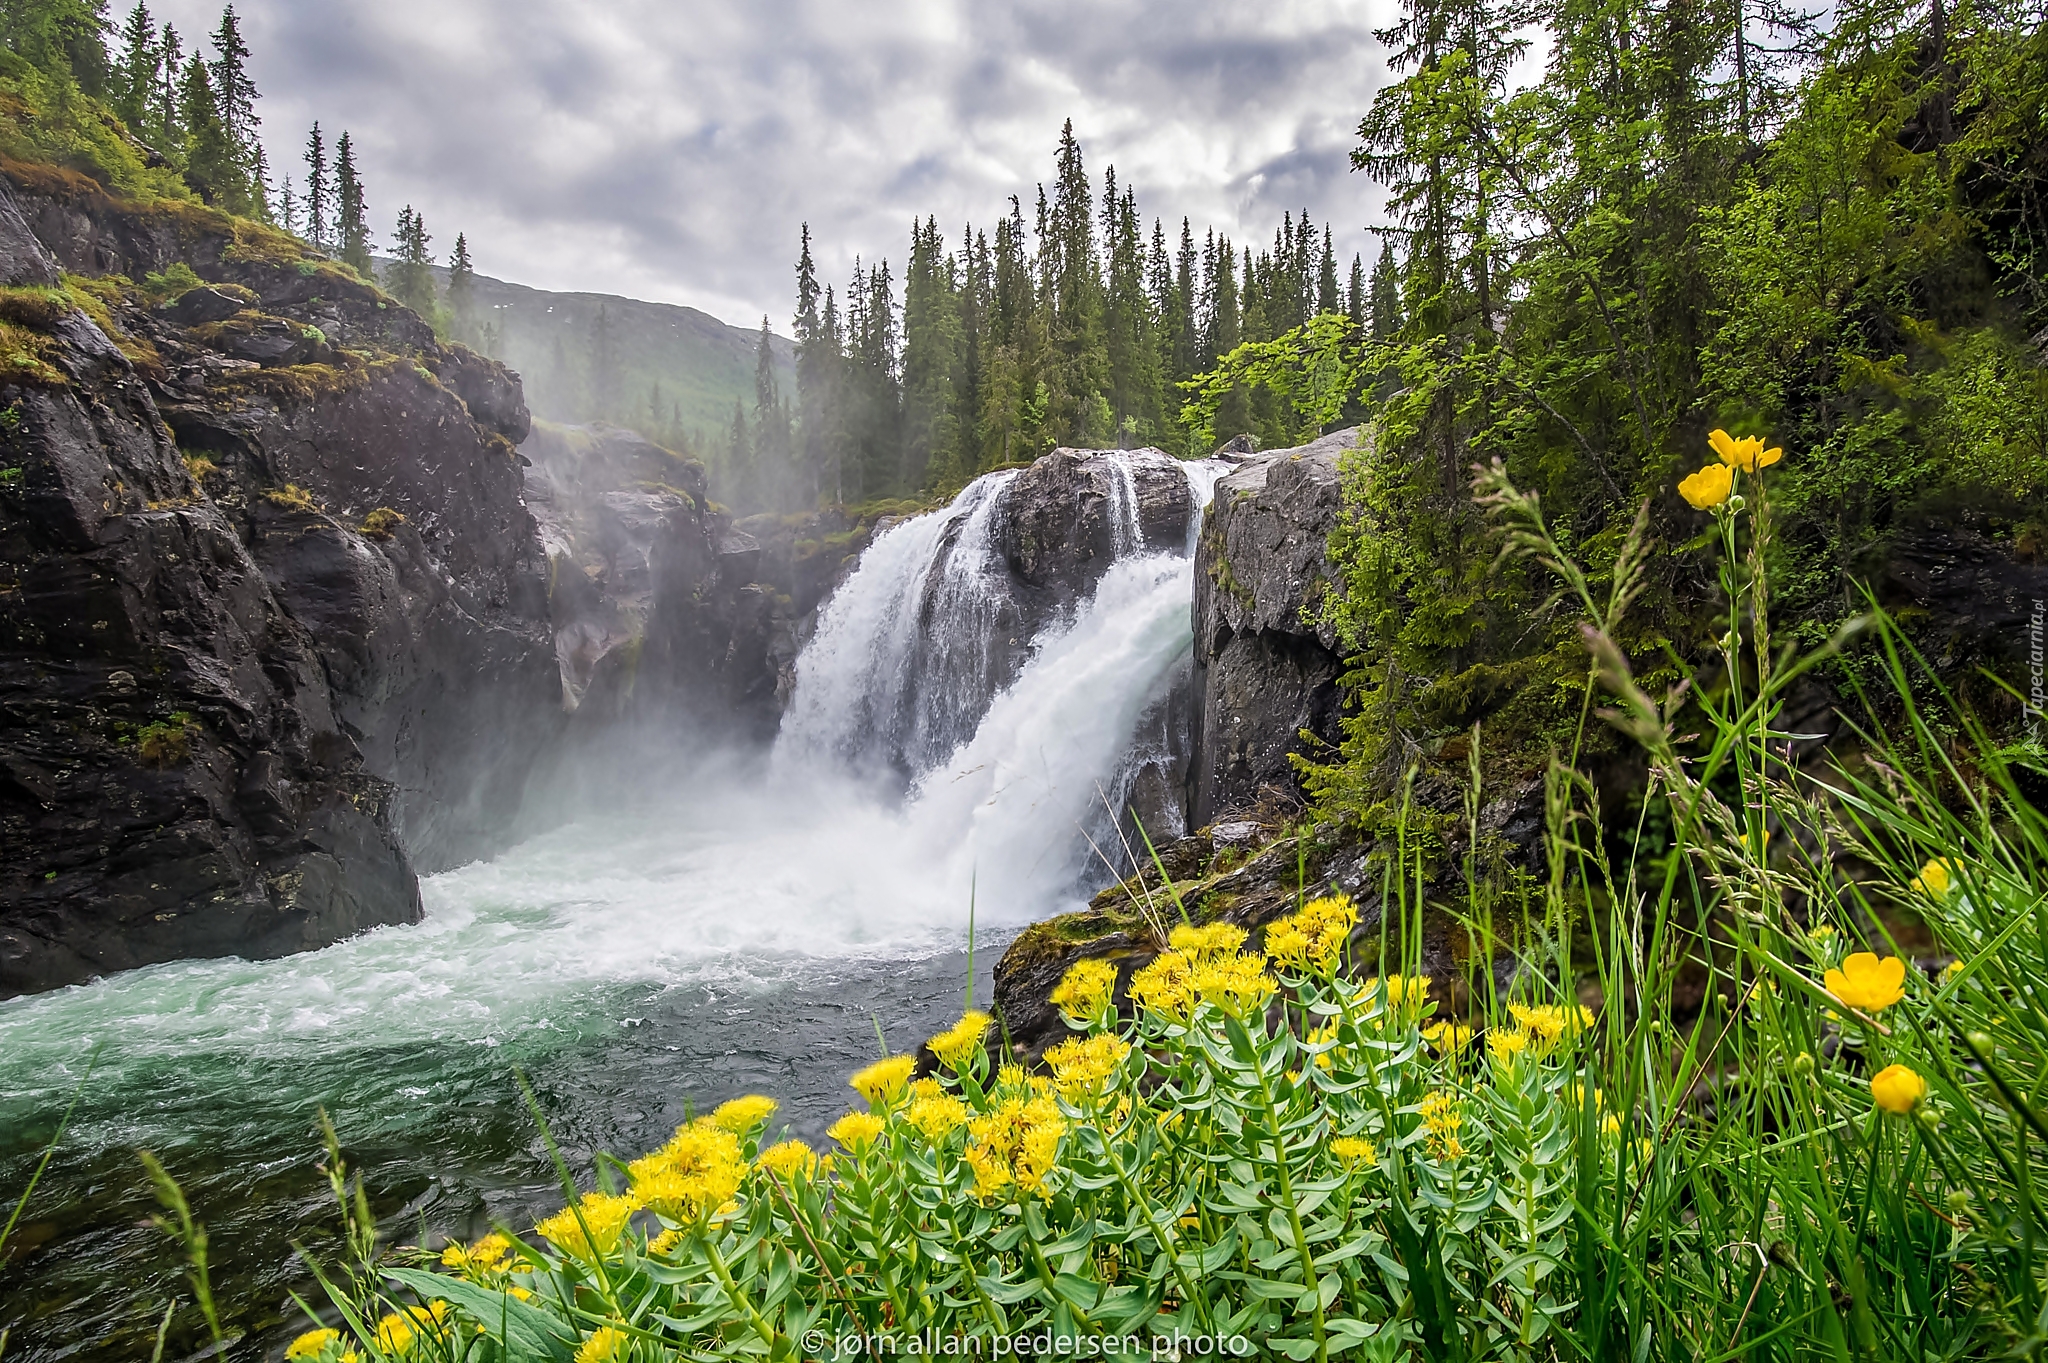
(1980, 1042)
(1958, 1200)
(1735, 503)
(1803, 1066)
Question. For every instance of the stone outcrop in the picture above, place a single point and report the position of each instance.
(1061, 522)
(656, 604)
(1265, 668)
(177, 775)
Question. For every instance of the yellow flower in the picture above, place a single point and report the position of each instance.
(1504, 1043)
(1708, 488)
(1611, 1124)
(1747, 453)
(311, 1344)
(483, 1257)
(1897, 1089)
(666, 1241)
(856, 1130)
(1867, 983)
(1085, 990)
(934, 1111)
(604, 1213)
(1311, 939)
(1448, 1036)
(1547, 1022)
(1166, 986)
(1444, 1116)
(1199, 944)
(1935, 878)
(786, 1159)
(957, 1045)
(395, 1335)
(604, 1345)
(1015, 1143)
(1821, 933)
(1238, 984)
(742, 1115)
(884, 1081)
(1084, 1067)
(1354, 1152)
(1954, 968)
(692, 1176)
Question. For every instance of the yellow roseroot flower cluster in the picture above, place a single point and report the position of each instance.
(1016, 1143)
(1443, 1116)
(1204, 965)
(1085, 991)
(693, 1176)
(1086, 1067)
(606, 1343)
(933, 1111)
(590, 1230)
(883, 1082)
(956, 1046)
(1311, 940)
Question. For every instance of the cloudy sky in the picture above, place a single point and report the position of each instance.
(671, 151)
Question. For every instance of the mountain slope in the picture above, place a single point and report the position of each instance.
(701, 364)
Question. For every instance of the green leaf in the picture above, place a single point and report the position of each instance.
(526, 1331)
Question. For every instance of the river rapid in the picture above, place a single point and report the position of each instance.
(704, 928)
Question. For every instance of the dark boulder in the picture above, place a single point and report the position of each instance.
(1266, 668)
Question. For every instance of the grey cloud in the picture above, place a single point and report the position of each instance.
(671, 151)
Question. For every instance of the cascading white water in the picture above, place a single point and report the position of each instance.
(903, 658)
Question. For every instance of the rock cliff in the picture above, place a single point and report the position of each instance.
(1265, 668)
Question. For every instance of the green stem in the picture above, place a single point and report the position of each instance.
(1310, 1283)
(733, 1291)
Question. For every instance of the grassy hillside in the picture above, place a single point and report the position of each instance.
(701, 364)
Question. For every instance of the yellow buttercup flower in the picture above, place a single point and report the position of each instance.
(1354, 1152)
(786, 1159)
(742, 1115)
(856, 1130)
(604, 1345)
(311, 1344)
(1868, 983)
(1747, 453)
(1085, 990)
(884, 1081)
(956, 1046)
(1935, 878)
(605, 1214)
(1897, 1089)
(1086, 1067)
(1708, 488)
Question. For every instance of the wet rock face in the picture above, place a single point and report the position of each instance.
(174, 780)
(270, 600)
(1061, 522)
(656, 605)
(1264, 671)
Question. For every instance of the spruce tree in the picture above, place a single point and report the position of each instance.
(1070, 278)
(817, 360)
(931, 362)
(1327, 297)
(1354, 295)
(164, 125)
(411, 276)
(1386, 294)
(351, 214)
(740, 473)
(462, 293)
(133, 87)
(234, 90)
(318, 202)
(213, 164)
(773, 475)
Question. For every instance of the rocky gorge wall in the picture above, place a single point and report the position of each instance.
(279, 630)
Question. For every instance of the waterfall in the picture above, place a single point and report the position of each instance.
(1001, 781)
(903, 655)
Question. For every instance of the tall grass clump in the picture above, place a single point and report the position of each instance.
(1291, 1148)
